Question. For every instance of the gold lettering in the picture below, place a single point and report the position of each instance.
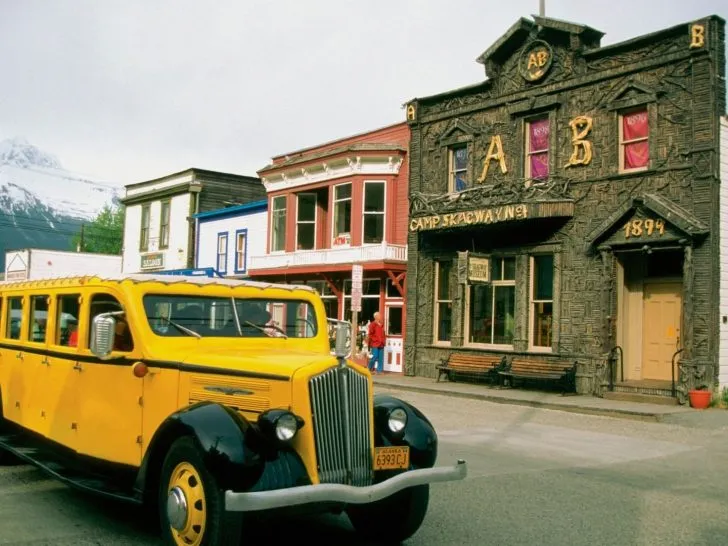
(489, 216)
(415, 224)
(521, 212)
(510, 212)
(469, 217)
(479, 215)
(582, 152)
(542, 57)
(495, 151)
(697, 35)
(532, 61)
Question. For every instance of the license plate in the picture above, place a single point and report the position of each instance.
(390, 458)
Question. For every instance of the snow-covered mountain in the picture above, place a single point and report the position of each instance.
(43, 205)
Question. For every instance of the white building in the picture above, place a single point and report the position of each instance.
(159, 223)
(228, 237)
(37, 263)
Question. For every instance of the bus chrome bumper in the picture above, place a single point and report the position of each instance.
(348, 494)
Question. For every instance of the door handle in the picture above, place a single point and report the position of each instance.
(78, 367)
(19, 356)
(45, 361)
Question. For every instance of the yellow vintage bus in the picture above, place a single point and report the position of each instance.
(206, 399)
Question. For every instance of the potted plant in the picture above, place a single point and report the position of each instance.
(700, 397)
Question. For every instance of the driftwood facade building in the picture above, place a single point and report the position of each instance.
(566, 209)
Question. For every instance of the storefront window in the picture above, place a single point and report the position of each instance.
(373, 212)
(542, 300)
(443, 302)
(491, 312)
(331, 302)
(369, 300)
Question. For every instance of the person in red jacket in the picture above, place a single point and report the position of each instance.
(375, 340)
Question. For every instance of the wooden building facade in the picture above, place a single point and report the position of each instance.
(566, 209)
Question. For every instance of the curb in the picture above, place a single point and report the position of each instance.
(655, 417)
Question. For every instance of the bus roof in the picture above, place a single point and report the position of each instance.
(198, 280)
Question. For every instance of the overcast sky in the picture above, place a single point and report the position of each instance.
(129, 90)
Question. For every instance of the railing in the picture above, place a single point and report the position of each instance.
(328, 256)
(674, 390)
(612, 360)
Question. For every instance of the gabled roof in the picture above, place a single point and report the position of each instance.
(521, 29)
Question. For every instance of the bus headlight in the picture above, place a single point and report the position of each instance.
(279, 424)
(286, 427)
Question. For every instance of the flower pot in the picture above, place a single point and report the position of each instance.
(699, 399)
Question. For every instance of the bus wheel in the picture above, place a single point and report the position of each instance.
(191, 502)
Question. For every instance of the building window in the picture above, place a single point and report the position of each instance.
(144, 238)
(342, 214)
(222, 241)
(457, 169)
(537, 149)
(306, 221)
(491, 307)
(374, 201)
(634, 147)
(443, 302)
(330, 299)
(241, 248)
(164, 225)
(542, 300)
(395, 322)
(278, 221)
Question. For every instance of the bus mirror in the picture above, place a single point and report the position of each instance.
(343, 340)
(103, 330)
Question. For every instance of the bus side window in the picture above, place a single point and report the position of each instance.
(105, 303)
(14, 318)
(67, 311)
(38, 319)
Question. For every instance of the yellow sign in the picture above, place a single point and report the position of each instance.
(490, 215)
(582, 153)
(536, 61)
(495, 151)
(639, 227)
(411, 112)
(479, 269)
(697, 36)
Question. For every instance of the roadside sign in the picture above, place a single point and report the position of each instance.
(356, 287)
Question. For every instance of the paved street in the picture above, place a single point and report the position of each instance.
(536, 476)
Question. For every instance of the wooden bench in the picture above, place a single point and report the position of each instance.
(484, 365)
(561, 372)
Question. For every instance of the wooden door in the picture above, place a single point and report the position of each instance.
(661, 321)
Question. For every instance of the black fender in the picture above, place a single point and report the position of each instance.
(224, 439)
(419, 434)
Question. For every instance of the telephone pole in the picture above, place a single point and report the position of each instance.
(542, 8)
(79, 246)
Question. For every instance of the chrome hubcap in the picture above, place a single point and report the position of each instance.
(177, 508)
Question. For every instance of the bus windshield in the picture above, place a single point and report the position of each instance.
(202, 316)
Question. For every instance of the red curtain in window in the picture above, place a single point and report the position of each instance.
(539, 142)
(635, 126)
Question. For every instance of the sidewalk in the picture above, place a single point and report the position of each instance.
(587, 404)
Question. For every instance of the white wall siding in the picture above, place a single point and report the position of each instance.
(256, 224)
(174, 257)
(723, 211)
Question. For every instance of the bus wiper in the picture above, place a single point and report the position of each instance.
(264, 326)
(182, 328)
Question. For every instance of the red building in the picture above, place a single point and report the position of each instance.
(335, 205)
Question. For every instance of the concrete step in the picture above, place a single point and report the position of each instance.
(638, 397)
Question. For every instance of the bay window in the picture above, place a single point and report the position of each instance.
(278, 224)
(342, 214)
(306, 221)
(374, 200)
(491, 306)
